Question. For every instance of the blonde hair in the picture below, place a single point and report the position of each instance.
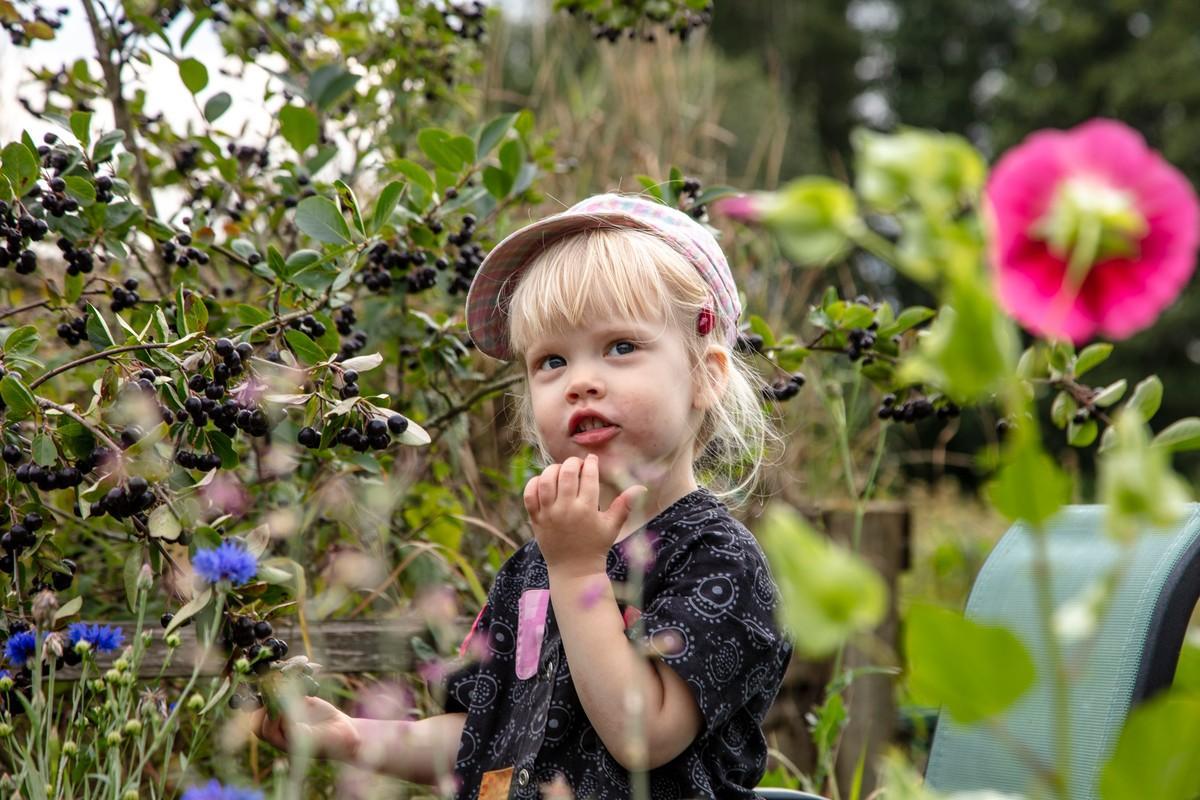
(622, 273)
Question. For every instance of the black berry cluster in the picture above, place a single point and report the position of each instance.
(205, 462)
(18, 538)
(915, 409)
(18, 230)
(78, 261)
(73, 332)
(784, 388)
(749, 343)
(375, 435)
(688, 197)
(125, 501)
(470, 256)
(55, 580)
(860, 341)
(180, 252)
(308, 324)
(49, 478)
(125, 296)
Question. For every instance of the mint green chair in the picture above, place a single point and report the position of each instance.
(1133, 655)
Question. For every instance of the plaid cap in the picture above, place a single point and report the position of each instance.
(493, 285)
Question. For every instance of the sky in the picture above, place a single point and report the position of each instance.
(164, 91)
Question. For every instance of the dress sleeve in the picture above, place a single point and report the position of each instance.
(710, 615)
(461, 681)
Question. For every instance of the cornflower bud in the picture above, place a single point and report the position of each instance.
(69, 748)
(174, 641)
(6, 683)
(242, 665)
(195, 702)
(112, 676)
(113, 738)
(5, 730)
(97, 685)
(133, 727)
(44, 606)
(130, 794)
(83, 647)
(145, 579)
(121, 664)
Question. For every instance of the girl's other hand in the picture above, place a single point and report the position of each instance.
(330, 732)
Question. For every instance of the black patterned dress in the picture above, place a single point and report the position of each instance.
(707, 610)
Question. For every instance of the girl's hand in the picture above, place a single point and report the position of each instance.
(564, 507)
(329, 732)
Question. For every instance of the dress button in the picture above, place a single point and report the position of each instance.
(523, 777)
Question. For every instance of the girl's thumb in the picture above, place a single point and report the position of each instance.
(624, 504)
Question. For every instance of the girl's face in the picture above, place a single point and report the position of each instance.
(634, 377)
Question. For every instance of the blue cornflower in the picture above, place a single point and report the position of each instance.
(229, 562)
(213, 790)
(102, 638)
(19, 648)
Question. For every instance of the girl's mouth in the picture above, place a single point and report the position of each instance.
(595, 436)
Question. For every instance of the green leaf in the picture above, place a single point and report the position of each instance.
(105, 145)
(498, 182)
(385, 204)
(435, 143)
(1179, 436)
(22, 341)
(81, 126)
(305, 348)
(1147, 397)
(350, 202)
(1156, 754)
(1111, 393)
(81, 189)
(44, 451)
(194, 316)
(299, 127)
(217, 105)
(493, 132)
(77, 441)
(909, 318)
(69, 608)
(1081, 435)
(320, 219)
(1063, 408)
(1030, 486)
(164, 525)
(190, 609)
(194, 75)
(974, 670)
(415, 173)
(20, 166)
(222, 445)
(20, 401)
(328, 84)
(1091, 356)
(828, 593)
(97, 329)
(512, 156)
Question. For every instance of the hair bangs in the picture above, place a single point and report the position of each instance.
(601, 274)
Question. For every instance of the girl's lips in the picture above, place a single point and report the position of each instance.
(595, 436)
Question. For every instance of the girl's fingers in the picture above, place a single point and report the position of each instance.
(548, 485)
(531, 495)
(589, 482)
(568, 478)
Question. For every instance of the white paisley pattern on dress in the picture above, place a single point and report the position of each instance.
(708, 605)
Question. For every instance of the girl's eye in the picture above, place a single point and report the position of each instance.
(630, 345)
(542, 365)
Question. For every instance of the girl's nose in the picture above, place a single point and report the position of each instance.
(584, 386)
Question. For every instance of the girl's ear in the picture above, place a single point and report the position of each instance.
(714, 377)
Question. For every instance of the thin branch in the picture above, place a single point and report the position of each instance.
(115, 351)
(67, 412)
(466, 405)
(9, 312)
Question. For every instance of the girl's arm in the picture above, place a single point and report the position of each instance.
(422, 751)
(614, 681)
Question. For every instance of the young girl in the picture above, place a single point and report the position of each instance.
(634, 639)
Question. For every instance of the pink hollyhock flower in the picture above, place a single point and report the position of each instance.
(1091, 232)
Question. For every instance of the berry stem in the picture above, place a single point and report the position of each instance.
(435, 426)
(9, 312)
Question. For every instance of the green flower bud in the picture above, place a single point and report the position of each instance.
(120, 665)
(242, 665)
(6, 683)
(110, 706)
(173, 641)
(83, 647)
(69, 748)
(97, 685)
(112, 676)
(130, 794)
(133, 727)
(5, 730)
(147, 637)
(195, 702)
(113, 738)
(145, 578)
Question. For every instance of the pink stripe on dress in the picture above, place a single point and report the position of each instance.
(531, 629)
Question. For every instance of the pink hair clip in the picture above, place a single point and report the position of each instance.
(705, 321)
